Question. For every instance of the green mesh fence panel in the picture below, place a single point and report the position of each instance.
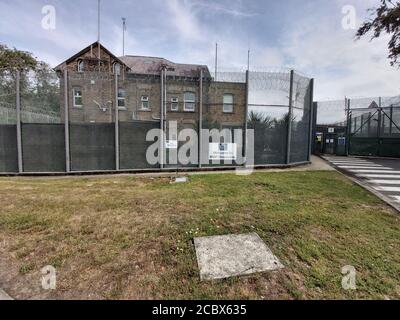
(133, 144)
(92, 147)
(8, 148)
(43, 147)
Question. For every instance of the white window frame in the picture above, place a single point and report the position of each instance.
(187, 102)
(228, 107)
(75, 96)
(144, 99)
(174, 104)
(122, 98)
(81, 65)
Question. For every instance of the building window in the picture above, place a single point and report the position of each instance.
(174, 104)
(81, 66)
(145, 105)
(121, 98)
(228, 103)
(77, 95)
(117, 68)
(189, 102)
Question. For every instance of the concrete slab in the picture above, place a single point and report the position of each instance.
(228, 256)
(180, 180)
(4, 296)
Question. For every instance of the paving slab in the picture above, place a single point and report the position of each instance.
(220, 257)
(4, 296)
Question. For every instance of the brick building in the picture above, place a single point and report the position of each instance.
(144, 83)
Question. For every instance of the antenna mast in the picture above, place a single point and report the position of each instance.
(216, 61)
(98, 20)
(123, 35)
(248, 60)
(98, 33)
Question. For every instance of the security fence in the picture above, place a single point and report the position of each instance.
(372, 125)
(94, 122)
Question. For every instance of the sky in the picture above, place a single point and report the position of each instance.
(307, 35)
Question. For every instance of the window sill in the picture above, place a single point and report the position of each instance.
(144, 110)
(122, 109)
(77, 107)
(189, 111)
(226, 112)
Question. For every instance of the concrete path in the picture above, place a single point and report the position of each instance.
(380, 176)
(317, 164)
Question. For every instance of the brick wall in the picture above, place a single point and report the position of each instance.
(98, 97)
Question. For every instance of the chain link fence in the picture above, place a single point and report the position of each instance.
(97, 121)
(372, 124)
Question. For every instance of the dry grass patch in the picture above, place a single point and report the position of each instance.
(127, 237)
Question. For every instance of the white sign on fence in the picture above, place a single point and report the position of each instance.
(171, 144)
(222, 151)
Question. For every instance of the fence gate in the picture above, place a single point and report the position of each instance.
(374, 131)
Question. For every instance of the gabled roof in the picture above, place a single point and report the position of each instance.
(83, 51)
(146, 65)
(153, 65)
(373, 105)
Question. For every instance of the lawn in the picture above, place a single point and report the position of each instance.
(131, 237)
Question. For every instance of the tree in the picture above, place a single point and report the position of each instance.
(16, 59)
(39, 84)
(257, 118)
(385, 19)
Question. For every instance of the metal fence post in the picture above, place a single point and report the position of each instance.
(19, 134)
(246, 111)
(116, 124)
(379, 126)
(369, 124)
(200, 119)
(380, 118)
(290, 116)
(66, 124)
(391, 121)
(311, 120)
(348, 133)
(162, 121)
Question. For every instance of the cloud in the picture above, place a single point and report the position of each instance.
(266, 57)
(341, 65)
(28, 34)
(185, 20)
(217, 8)
(305, 35)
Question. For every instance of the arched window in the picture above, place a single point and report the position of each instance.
(117, 68)
(81, 65)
